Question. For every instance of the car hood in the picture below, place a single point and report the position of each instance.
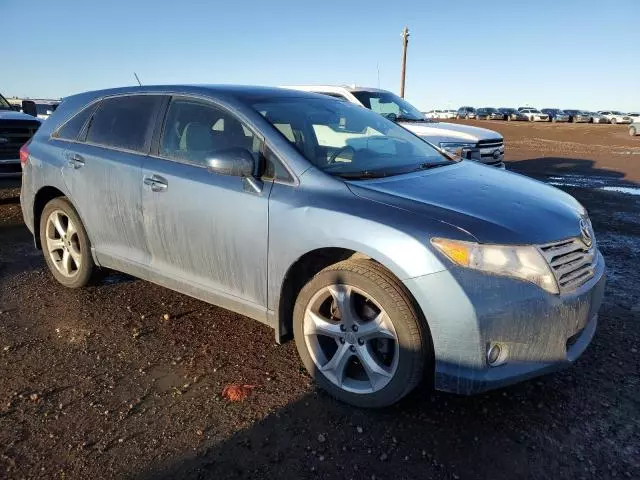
(13, 115)
(449, 132)
(492, 205)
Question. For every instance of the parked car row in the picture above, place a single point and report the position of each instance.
(532, 114)
(442, 114)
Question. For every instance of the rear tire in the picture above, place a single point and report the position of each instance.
(65, 244)
(371, 293)
(632, 131)
(614, 121)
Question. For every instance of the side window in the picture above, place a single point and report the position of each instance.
(194, 130)
(124, 122)
(71, 129)
(273, 168)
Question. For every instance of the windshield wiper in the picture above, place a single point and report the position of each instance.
(409, 119)
(377, 174)
(362, 174)
(428, 166)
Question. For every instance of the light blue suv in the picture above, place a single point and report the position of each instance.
(387, 260)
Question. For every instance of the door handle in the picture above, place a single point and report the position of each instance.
(156, 182)
(76, 161)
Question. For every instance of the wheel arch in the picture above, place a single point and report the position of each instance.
(304, 268)
(42, 197)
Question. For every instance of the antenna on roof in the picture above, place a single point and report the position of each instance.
(136, 75)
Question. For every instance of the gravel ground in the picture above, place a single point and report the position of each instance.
(124, 379)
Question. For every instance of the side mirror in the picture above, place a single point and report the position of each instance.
(237, 162)
(29, 107)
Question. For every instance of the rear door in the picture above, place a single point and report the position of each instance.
(104, 176)
(206, 232)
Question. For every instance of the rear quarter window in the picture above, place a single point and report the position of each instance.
(72, 128)
(124, 122)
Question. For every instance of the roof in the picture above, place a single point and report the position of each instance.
(246, 92)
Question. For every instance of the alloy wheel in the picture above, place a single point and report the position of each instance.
(63, 243)
(351, 339)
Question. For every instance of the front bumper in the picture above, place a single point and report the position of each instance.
(10, 168)
(468, 310)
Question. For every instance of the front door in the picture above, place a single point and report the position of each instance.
(205, 232)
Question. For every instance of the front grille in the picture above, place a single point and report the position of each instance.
(491, 143)
(10, 169)
(572, 262)
(487, 147)
(13, 135)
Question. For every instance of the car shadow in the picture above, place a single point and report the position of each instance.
(427, 435)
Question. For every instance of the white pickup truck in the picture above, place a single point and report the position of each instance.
(473, 143)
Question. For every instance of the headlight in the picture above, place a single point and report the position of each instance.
(452, 147)
(523, 262)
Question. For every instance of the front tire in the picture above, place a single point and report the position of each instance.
(632, 131)
(65, 244)
(359, 334)
(614, 121)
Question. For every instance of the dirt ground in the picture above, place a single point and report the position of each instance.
(98, 383)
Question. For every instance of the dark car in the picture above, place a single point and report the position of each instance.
(578, 116)
(488, 113)
(16, 128)
(556, 115)
(511, 114)
(466, 112)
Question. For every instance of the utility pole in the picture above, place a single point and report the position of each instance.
(405, 41)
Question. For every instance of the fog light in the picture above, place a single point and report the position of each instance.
(496, 354)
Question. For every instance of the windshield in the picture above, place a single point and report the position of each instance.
(386, 103)
(346, 140)
(4, 105)
(45, 108)
(507, 110)
(615, 112)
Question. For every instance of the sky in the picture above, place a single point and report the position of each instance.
(581, 54)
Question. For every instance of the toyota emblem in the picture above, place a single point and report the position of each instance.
(585, 232)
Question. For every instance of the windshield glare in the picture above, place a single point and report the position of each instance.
(386, 103)
(346, 140)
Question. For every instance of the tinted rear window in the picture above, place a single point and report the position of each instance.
(72, 128)
(124, 122)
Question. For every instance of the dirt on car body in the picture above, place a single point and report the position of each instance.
(126, 379)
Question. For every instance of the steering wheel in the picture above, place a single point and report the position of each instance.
(336, 154)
